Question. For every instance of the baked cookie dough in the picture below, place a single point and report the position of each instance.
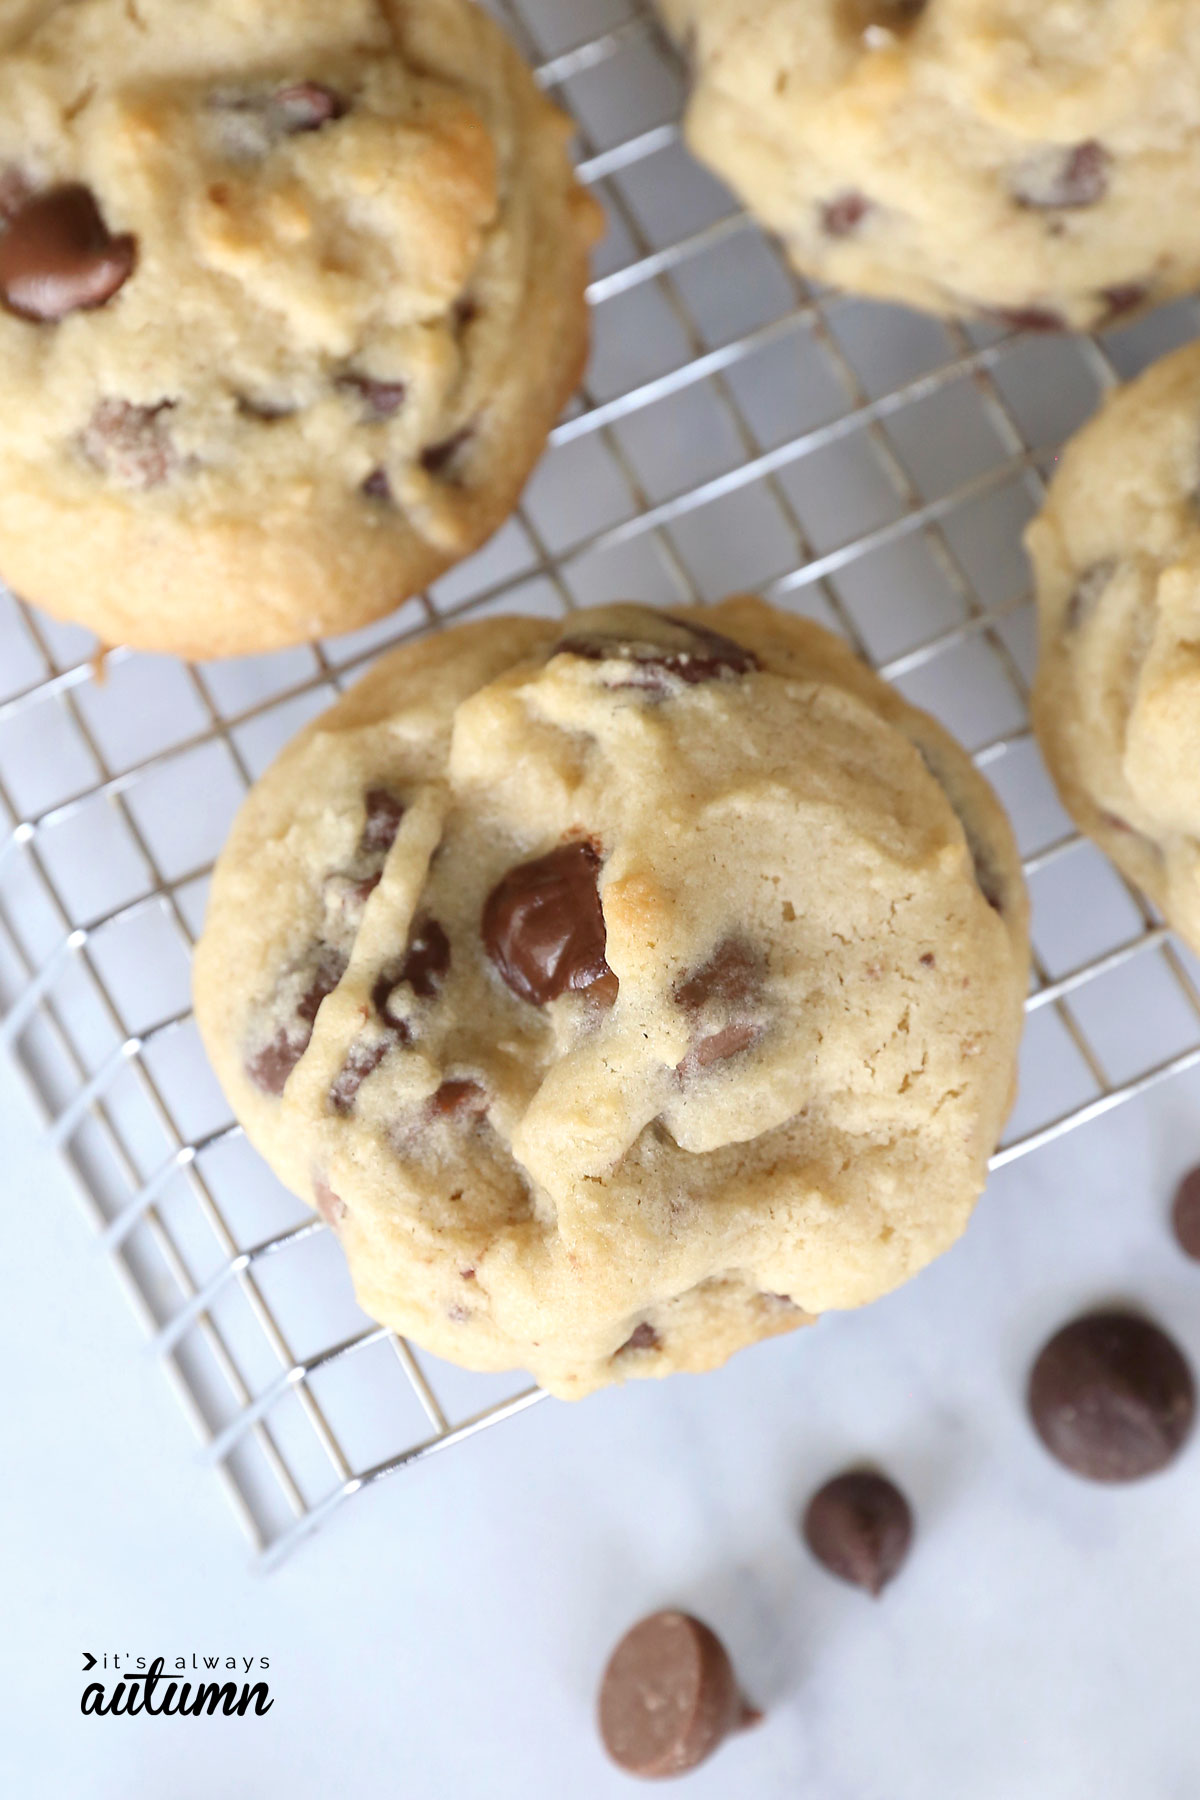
(1116, 555)
(622, 991)
(290, 296)
(1038, 164)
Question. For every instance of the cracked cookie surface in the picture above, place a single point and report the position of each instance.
(622, 991)
(1116, 553)
(1039, 165)
(289, 299)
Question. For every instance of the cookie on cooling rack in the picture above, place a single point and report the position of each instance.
(621, 992)
(289, 298)
(1036, 164)
(1116, 554)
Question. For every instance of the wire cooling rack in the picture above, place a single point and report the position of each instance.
(859, 464)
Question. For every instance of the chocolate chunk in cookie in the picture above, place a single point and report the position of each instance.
(270, 1066)
(543, 928)
(661, 646)
(1063, 176)
(57, 256)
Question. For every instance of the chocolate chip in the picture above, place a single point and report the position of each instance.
(270, 1067)
(436, 459)
(543, 927)
(1063, 176)
(307, 105)
(989, 878)
(331, 1206)
(131, 444)
(642, 1337)
(384, 813)
(842, 217)
(380, 399)
(669, 1697)
(461, 1099)
(428, 960)
(893, 15)
(1026, 318)
(730, 981)
(859, 1526)
(266, 412)
(377, 486)
(362, 1060)
(1185, 1214)
(1112, 1398)
(928, 961)
(1086, 593)
(57, 256)
(466, 311)
(689, 652)
(1122, 300)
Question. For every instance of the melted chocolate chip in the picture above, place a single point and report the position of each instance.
(543, 927)
(270, 1067)
(1087, 592)
(131, 444)
(459, 1099)
(306, 106)
(642, 1337)
(842, 217)
(859, 1526)
(436, 459)
(380, 399)
(1185, 1214)
(669, 1697)
(57, 256)
(893, 15)
(689, 652)
(1123, 299)
(384, 813)
(730, 981)
(362, 1060)
(425, 966)
(1026, 318)
(377, 486)
(1063, 177)
(1112, 1398)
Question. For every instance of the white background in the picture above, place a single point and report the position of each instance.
(443, 1636)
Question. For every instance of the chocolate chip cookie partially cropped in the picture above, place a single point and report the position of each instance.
(621, 992)
(1038, 164)
(1116, 554)
(290, 296)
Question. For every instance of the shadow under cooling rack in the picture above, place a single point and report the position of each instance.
(862, 465)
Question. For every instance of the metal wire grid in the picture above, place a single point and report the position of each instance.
(739, 429)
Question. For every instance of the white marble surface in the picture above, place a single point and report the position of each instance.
(443, 1636)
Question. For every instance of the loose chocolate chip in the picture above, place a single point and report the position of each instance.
(842, 217)
(331, 1206)
(1026, 318)
(1112, 1397)
(859, 1526)
(543, 927)
(436, 459)
(131, 444)
(1087, 591)
(731, 980)
(1063, 176)
(57, 256)
(377, 486)
(380, 399)
(1185, 1214)
(1122, 300)
(669, 1697)
(462, 1099)
(270, 1067)
(307, 105)
(363, 1060)
(691, 653)
(384, 813)
(642, 1337)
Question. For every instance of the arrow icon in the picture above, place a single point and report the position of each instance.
(90, 1663)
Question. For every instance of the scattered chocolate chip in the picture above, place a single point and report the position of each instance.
(462, 1099)
(1060, 176)
(689, 652)
(1087, 591)
(380, 399)
(131, 444)
(436, 459)
(642, 1337)
(1026, 318)
(1112, 1397)
(270, 1067)
(731, 980)
(859, 1526)
(377, 486)
(361, 1061)
(543, 927)
(1123, 299)
(669, 1697)
(307, 105)
(1185, 1214)
(842, 217)
(384, 813)
(57, 256)
(331, 1206)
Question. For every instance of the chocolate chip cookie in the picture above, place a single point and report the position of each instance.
(289, 299)
(621, 992)
(1039, 165)
(1116, 554)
